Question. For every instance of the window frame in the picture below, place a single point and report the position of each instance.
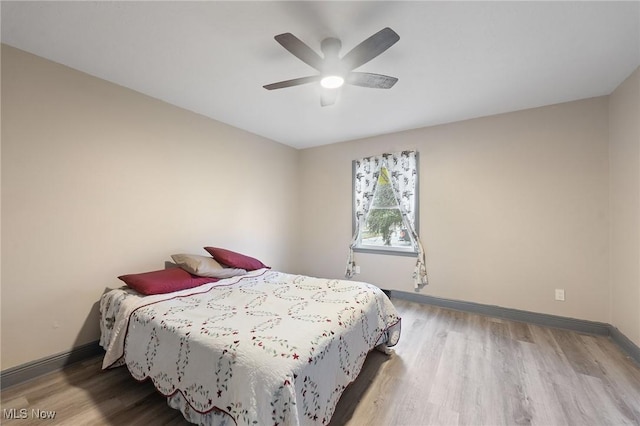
(386, 250)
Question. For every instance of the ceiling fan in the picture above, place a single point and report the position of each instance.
(336, 71)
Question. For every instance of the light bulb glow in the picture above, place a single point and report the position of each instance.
(332, 82)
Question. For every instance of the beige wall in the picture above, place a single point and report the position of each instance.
(511, 207)
(98, 180)
(624, 201)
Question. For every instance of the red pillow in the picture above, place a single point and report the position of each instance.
(164, 281)
(235, 260)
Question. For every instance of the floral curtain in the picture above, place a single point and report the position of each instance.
(404, 175)
(402, 167)
(366, 173)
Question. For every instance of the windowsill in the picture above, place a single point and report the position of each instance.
(386, 250)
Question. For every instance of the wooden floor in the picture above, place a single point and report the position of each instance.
(450, 368)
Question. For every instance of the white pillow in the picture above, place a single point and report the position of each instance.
(204, 266)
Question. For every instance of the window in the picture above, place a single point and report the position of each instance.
(385, 210)
(383, 229)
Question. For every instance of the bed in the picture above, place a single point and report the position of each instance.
(262, 348)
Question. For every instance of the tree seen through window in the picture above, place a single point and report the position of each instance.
(384, 224)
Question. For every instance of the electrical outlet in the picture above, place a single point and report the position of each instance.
(357, 269)
(560, 294)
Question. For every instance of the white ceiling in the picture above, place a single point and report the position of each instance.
(454, 60)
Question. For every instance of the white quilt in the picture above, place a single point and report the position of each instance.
(264, 348)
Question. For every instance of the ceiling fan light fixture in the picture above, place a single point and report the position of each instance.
(332, 81)
(335, 71)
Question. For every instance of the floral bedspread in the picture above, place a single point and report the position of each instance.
(265, 348)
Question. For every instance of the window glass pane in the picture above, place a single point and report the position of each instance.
(383, 228)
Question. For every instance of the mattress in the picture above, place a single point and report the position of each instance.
(264, 348)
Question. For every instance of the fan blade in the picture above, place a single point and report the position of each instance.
(329, 97)
(300, 50)
(294, 82)
(370, 48)
(374, 81)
